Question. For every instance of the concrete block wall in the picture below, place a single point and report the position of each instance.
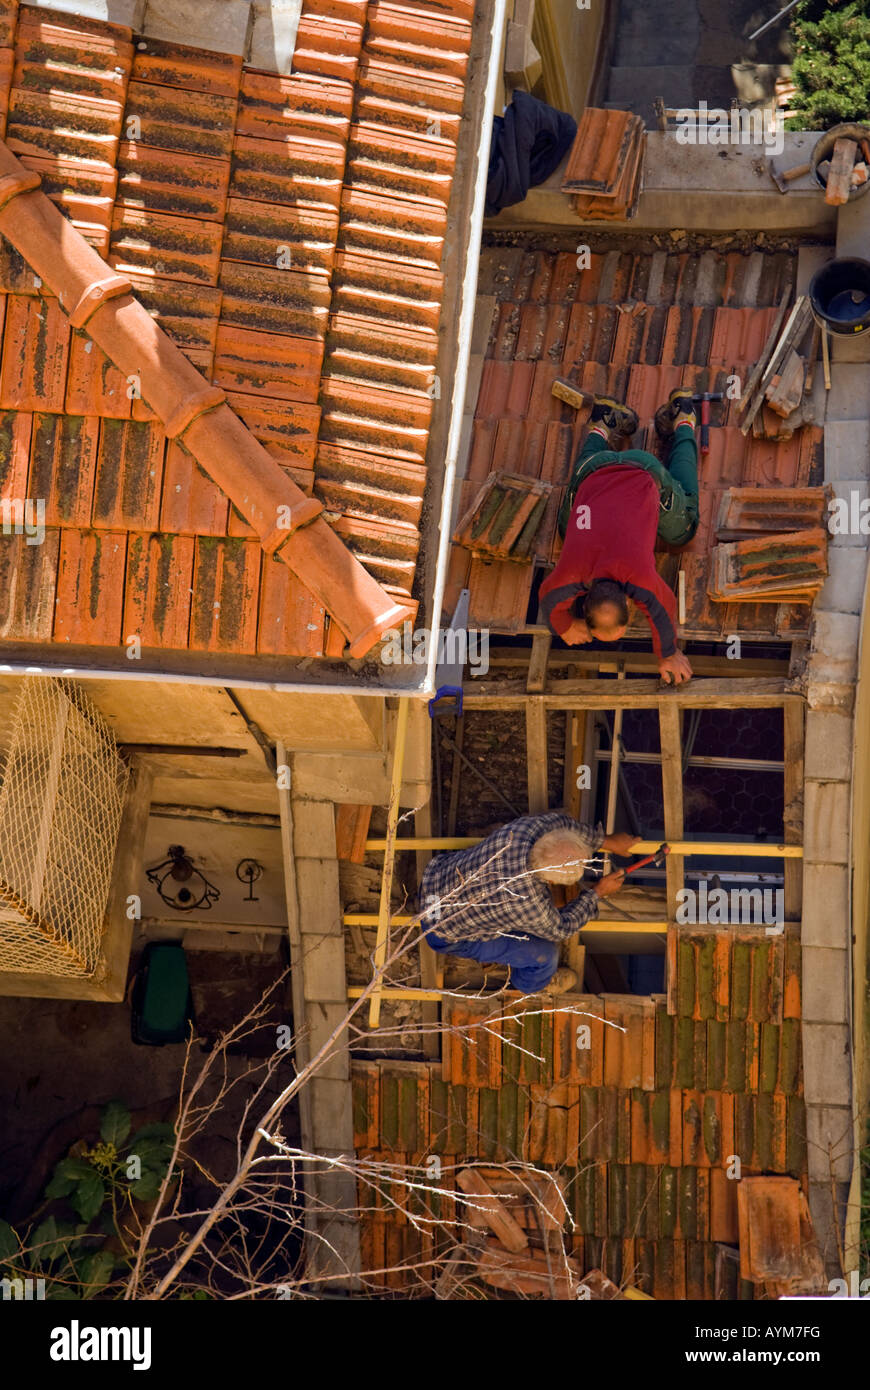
(826, 931)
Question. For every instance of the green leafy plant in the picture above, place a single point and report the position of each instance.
(101, 1185)
(831, 69)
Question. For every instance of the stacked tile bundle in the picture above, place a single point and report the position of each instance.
(605, 166)
(775, 560)
(287, 233)
(641, 1126)
(633, 325)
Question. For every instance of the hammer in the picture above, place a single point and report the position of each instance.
(783, 177)
(705, 398)
(658, 859)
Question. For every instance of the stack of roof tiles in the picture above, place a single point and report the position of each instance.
(642, 1125)
(605, 165)
(771, 558)
(633, 325)
(287, 233)
(505, 517)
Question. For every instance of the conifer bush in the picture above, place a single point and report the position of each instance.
(832, 63)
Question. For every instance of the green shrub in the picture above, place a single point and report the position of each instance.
(831, 68)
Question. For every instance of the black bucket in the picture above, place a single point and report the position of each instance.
(840, 296)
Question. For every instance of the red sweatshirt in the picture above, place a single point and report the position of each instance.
(619, 544)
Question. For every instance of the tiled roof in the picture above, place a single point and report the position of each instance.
(287, 234)
(641, 1126)
(633, 324)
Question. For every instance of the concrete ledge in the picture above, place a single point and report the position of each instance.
(314, 829)
(273, 37)
(828, 747)
(825, 989)
(318, 897)
(323, 968)
(847, 449)
(828, 1211)
(825, 911)
(321, 1021)
(827, 1064)
(826, 822)
(219, 25)
(730, 186)
(835, 647)
(127, 12)
(843, 590)
(830, 1133)
(332, 1114)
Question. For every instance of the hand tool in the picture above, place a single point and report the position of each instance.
(783, 177)
(572, 395)
(658, 859)
(705, 398)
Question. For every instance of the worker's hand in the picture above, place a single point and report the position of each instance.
(578, 632)
(674, 670)
(621, 843)
(610, 883)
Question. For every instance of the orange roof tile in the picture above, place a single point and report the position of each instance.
(188, 174)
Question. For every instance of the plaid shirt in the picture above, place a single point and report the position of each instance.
(481, 893)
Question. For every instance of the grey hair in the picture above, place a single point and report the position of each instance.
(560, 856)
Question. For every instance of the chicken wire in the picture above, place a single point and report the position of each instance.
(61, 798)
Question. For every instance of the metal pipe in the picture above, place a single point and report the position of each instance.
(736, 764)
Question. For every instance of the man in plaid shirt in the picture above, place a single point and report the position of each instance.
(492, 903)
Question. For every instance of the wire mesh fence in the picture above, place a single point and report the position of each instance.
(61, 797)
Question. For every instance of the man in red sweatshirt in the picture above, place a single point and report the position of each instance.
(615, 506)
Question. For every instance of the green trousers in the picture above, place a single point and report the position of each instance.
(677, 481)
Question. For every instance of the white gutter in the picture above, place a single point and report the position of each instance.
(57, 668)
(498, 22)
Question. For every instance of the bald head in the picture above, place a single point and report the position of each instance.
(560, 856)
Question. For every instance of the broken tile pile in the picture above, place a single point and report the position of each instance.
(639, 1127)
(605, 165)
(634, 326)
(287, 233)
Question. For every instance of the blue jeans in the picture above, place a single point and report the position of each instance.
(532, 960)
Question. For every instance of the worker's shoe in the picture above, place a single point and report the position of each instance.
(563, 982)
(679, 402)
(615, 417)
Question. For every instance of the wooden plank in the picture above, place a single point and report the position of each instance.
(752, 383)
(632, 662)
(792, 333)
(640, 694)
(536, 755)
(613, 782)
(456, 775)
(431, 964)
(793, 805)
(672, 794)
(699, 847)
(382, 941)
(493, 1212)
(537, 677)
(351, 830)
(786, 388)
